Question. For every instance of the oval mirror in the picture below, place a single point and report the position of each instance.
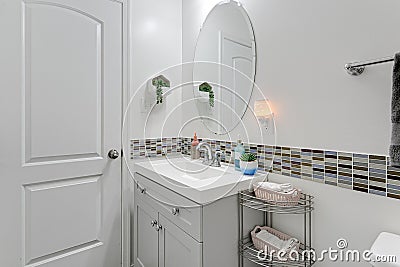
(225, 67)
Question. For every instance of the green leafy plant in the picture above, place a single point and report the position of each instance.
(205, 87)
(248, 157)
(159, 82)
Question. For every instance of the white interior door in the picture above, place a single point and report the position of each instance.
(60, 101)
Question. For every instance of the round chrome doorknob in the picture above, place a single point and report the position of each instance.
(113, 154)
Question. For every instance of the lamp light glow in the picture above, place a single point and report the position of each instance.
(263, 112)
(262, 109)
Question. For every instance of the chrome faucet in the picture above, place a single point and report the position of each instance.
(207, 152)
(209, 159)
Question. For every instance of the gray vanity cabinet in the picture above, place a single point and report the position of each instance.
(158, 241)
(187, 235)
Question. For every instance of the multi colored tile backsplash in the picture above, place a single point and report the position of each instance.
(360, 172)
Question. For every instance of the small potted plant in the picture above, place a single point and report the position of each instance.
(248, 164)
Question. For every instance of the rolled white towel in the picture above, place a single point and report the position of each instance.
(268, 185)
(286, 188)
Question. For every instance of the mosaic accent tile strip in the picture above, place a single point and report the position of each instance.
(154, 147)
(345, 170)
(359, 172)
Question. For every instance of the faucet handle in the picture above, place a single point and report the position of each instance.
(217, 159)
(217, 155)
(206, 159)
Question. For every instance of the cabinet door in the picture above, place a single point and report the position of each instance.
(146, 236)
(176, 248)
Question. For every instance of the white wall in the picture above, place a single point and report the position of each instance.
(156, 44)
(341, 213)
(302, 47)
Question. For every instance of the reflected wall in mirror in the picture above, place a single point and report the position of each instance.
(225, 58)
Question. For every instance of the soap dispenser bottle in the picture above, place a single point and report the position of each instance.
(239, 151)
(195, 154)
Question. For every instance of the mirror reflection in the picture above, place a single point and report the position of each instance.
(223, 90)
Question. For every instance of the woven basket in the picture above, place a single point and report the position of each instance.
(278, 198)
(265, 246)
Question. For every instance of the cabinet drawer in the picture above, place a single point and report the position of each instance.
(180, 210)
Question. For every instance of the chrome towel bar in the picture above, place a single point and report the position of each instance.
(357, 68)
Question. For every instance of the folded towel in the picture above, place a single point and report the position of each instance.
(394, 150)
(275, 241)
(270, 239)
(290, 244)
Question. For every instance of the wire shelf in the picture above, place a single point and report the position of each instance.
(249, 252)
(248, 199)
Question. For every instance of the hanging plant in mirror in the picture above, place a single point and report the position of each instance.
(206, 88)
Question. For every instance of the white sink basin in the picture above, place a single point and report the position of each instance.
(186, 168)
(195, 180)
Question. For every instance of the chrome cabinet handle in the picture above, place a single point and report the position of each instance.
(158, 227)
(153, 223)
(175, 211)
(113, 154)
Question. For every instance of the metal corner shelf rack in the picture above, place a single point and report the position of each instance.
(247, 199)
